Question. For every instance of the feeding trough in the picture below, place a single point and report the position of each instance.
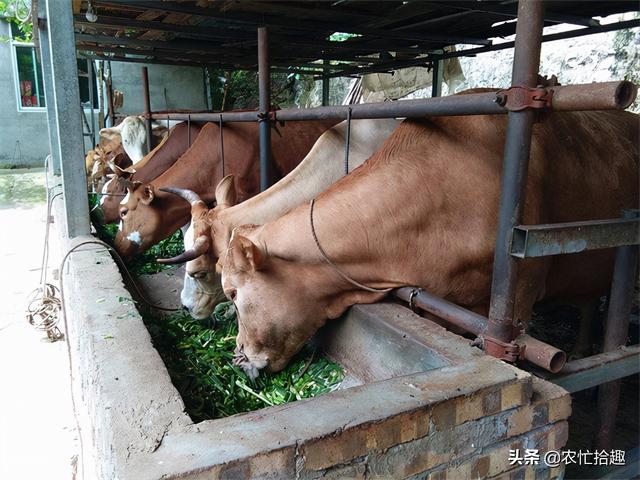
(415, 399)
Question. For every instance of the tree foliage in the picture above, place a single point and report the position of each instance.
(16, 12)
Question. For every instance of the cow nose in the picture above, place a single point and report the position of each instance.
(185, 308)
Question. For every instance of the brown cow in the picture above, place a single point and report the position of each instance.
(149, 215)
(152, 165)
(423, 211)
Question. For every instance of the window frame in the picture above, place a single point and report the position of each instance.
(16, 76)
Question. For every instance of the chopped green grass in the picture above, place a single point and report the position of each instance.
(199, 361)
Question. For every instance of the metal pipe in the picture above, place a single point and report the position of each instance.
(436, 79)
(514, 173)
(452, 313)
(325, 84)
(147, 105)
(92, 78)
(471, 104)
(541, 354)
(535, 351)
(594, 96)
(264, 91)
(616, 332)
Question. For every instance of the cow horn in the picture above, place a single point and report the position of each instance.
(189, 195)
(200, 246)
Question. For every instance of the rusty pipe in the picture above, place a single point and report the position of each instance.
(541, 354)
(616, 95)
(535, 351)
(594, 96)
(452, 313)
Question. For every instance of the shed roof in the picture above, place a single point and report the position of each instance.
(390, 34)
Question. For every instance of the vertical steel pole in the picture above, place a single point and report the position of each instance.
(91, 80)
(325, 85)
(66, 98)
(436, 82)
(264, 90)
(514, 173)
(45, 58)
(147, 104)
(615, 336)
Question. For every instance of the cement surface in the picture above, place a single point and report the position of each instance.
(37, 428)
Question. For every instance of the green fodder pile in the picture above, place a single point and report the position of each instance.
(199, 361)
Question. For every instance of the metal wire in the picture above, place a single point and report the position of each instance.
(347, 143)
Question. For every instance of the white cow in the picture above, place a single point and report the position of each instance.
(323, 166)
(133, 134)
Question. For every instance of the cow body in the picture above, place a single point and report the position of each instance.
(322, 166)
(151, 166)
(149, 215)
(423, 212)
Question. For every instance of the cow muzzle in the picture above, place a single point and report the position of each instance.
(250, 367)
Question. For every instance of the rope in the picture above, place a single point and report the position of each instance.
(222, 145)
(188, 130)
(347, 143)
(334, 266)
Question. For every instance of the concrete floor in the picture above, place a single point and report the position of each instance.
(37, 428)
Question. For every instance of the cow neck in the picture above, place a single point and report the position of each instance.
(202, 156)
(166, 154)
(390, 216)
(307, 179)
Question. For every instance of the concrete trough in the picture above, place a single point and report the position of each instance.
(421, 403)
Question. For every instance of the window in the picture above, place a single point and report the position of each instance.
(27, 74)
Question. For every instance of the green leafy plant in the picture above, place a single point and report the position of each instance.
(199, 361)
(16, 12)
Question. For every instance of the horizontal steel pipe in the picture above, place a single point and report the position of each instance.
(573, 237)
(593, 96)
(541, 354)
(452, 313)
(598, 369)
(535, 351)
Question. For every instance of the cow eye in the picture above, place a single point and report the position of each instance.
(231, 294)
(123, 212)
(198, 274)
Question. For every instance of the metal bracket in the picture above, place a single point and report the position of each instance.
(509, 352)
(519, 98)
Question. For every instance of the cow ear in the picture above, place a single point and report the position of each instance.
(226, 192)
(245, 254)
(110, 133)
(147, 194)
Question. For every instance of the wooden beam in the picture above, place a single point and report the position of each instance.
(255, 20)
(192, 31)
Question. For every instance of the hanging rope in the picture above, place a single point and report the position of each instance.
(221, 145)
(188, 130)
(347, 142)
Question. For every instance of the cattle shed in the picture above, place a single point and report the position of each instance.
(440, 394)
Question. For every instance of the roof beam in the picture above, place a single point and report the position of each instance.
(255, 20)
(119, 23)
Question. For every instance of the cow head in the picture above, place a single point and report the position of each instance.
(139, 224)
(202, 289)
(113, 192)
(133, 134)
(278, 311)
